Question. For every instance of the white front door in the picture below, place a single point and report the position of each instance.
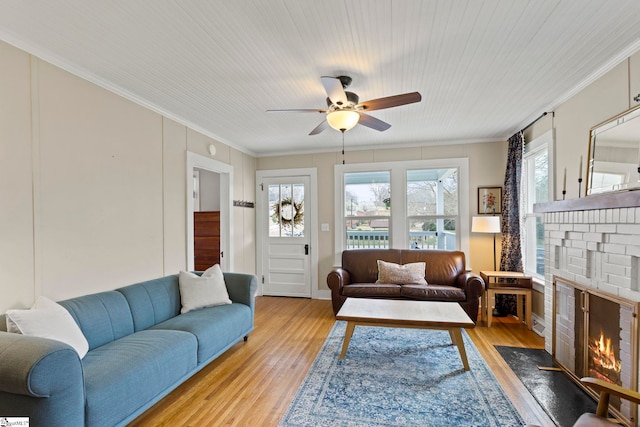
(286, 236)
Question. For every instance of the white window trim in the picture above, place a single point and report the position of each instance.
(545, 142)
(398, 190)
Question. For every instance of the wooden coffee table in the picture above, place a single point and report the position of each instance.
(406, 314)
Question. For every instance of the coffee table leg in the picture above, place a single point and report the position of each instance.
(347, 337)
(456, 335)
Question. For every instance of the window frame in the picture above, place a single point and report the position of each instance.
(544, 142)
(398, 221)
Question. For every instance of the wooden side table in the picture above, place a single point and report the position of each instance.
(521, 287)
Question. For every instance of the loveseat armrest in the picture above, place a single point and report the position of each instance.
(42, 379)
(336, 279)
(242, 287)
(472, 284)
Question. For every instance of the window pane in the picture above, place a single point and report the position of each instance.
(541, 174)
(367, 233)
(367, 194)
(432, 192)
(432, 233)
(539, 246)
(286, 210)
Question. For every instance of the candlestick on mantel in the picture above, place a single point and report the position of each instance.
(580, 179)
(580, 173)
(579, 187)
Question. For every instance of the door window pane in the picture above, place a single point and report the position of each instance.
(286, 210)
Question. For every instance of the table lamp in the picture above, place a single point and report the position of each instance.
(487, 224)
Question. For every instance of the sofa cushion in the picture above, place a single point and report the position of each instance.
(433, 292)
(48, 319)
(412, 273)
(153, 301)
(102, 317)
(215, 327)
(125, 374)
(443, 267)
(364, 290)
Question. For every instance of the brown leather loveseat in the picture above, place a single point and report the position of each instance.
(445, 273)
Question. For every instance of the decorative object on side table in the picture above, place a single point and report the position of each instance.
(489, 200)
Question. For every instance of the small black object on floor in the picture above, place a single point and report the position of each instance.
(562, 399)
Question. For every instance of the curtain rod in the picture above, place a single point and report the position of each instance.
(531, 124)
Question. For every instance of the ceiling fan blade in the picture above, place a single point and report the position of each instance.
(390, 101)
(335, 92)
(298, 110)
(322, 126)
(373, 123)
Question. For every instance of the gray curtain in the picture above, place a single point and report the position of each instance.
(511, 255)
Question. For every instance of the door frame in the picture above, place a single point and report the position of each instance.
(311, 211)
(198, 161)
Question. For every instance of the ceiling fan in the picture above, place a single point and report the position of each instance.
(345, 111)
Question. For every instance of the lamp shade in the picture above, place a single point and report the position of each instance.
(485, 224)
(343, 120)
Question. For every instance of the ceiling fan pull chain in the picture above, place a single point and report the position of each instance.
(343, 146)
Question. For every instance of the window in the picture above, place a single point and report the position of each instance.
(537, 188)
(432, 208)
(414, 204)
(367, 202)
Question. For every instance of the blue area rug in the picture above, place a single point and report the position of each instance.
(399, 377)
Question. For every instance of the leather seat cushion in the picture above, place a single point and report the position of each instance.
(371, 290)
(433, 292)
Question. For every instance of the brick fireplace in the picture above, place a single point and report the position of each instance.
(592, 288)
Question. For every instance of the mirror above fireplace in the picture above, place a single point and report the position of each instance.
(614, 154)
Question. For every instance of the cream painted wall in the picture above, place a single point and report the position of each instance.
(487, 163)
(174, 196)
(604, 98)
(93, 186)
(100, 187)
(16, 180)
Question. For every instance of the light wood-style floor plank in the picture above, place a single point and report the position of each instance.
(253, 383)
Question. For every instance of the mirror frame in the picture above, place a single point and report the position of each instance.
(614, 121)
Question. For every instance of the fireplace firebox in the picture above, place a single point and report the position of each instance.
(595, 335)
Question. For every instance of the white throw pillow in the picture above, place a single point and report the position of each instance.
(405, 274)
(202, 291)
(48, 319)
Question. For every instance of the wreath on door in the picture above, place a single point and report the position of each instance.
(279, 214)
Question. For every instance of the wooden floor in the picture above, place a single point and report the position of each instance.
(253, 383)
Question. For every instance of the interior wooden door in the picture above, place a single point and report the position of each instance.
(206, 239)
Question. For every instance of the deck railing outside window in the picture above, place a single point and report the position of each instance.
(362, 239)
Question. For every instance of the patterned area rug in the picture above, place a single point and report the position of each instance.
(399, 377)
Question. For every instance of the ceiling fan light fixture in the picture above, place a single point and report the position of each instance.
(343, 120)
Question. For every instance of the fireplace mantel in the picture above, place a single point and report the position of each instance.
(623, 199)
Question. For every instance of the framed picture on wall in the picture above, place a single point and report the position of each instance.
(489, 200)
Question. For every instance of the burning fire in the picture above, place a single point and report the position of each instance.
(604, 358)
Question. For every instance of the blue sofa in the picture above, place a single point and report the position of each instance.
(140, 349)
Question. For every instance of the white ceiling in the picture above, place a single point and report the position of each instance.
(485, 69)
